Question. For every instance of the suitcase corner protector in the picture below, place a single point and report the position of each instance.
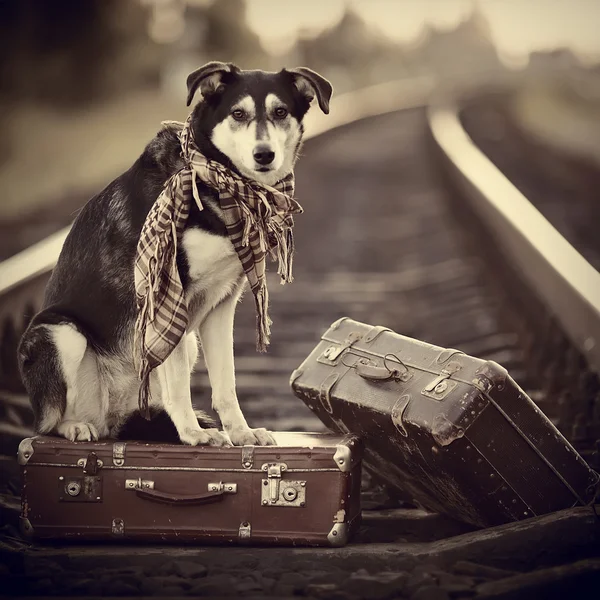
(296, 373)
(339, 534)
(25, 451)
(343, 458)
(26, 527)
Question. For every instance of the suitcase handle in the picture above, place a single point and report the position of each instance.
(374, 373)
(180, 499)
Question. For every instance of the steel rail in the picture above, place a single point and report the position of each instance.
(557, 274)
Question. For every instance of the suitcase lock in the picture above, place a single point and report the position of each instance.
(276, 491)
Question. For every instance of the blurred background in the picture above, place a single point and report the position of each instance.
(85, 83)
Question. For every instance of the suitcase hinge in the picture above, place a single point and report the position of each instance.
(247, 457)
(278, 492)
(439, 387)
(118, 454)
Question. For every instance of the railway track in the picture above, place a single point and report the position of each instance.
(397, 232)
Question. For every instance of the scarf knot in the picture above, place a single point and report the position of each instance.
(258, 220)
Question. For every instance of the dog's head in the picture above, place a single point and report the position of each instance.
(253, 119)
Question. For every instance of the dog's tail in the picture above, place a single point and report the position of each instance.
(159, 429)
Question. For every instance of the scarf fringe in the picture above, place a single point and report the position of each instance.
(263, 322)
(145, 398)
(144, 370)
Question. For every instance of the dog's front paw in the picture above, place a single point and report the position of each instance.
(251, 437)
(77, 431)
(204, 437)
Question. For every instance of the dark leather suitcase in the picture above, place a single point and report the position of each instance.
(452, 432)
(305, 491)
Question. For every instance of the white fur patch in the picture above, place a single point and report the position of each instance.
(214, 269)
(84, 411)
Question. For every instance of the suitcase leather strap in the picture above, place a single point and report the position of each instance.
(180, 499)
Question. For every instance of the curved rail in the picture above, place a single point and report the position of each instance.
(559, 276)
(562, 279)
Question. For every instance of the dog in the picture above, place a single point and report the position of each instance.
(76, 357)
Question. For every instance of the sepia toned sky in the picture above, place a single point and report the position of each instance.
(517, 26)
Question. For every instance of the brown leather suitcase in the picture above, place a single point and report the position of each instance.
(452, 432)
(304, 491)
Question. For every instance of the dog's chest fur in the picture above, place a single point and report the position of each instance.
(214, 271)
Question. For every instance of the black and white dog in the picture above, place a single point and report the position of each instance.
(76, 357)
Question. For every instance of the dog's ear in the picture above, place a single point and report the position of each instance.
(309, 83)
(208, 78)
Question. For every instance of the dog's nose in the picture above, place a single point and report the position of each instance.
(263, 155)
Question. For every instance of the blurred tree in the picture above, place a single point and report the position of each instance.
(348, 51)
(228, 35)
(465, 52)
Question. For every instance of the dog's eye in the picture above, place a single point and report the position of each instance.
(281, 113)
(238, 114)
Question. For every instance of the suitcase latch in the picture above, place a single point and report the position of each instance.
(439, 388)
(332, 353)
(281, 492)
(91, 465)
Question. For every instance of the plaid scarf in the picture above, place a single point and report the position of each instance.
(258, 220)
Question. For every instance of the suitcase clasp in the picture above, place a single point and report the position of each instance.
(439, 388)
(332, 353)
(293, 493)
(91, 465)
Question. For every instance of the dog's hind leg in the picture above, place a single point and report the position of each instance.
(84, 415)
(56, 365)
(216, 335)
(175, 383)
